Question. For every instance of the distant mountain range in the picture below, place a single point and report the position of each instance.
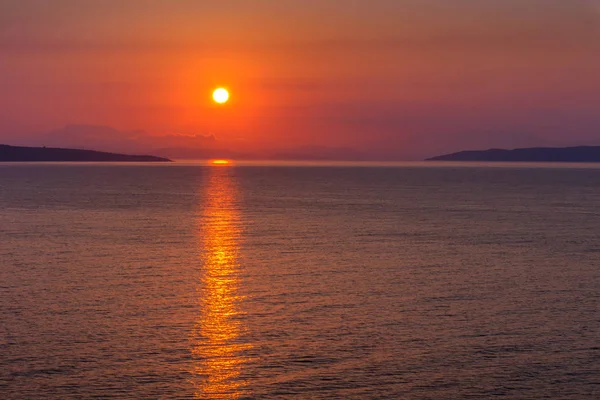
(534, 154)
(18, 153)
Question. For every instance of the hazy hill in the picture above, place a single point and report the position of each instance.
(320, 153)
(297, 153)
(18, 153)
(182, 153)
(534, 154)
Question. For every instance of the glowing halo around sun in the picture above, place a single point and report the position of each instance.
(220, 95)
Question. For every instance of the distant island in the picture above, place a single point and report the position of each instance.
(23, 154)
(535, 154)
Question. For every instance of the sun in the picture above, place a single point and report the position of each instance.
(220, 95)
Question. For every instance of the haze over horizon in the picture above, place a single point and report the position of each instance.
(401, 79)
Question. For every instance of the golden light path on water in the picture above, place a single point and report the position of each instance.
(217, 335)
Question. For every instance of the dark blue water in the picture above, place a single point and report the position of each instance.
(408, 282)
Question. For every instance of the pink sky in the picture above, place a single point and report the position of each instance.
(408, 78)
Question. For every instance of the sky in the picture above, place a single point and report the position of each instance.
(401, 79)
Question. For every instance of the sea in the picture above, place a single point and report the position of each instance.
(299, 281)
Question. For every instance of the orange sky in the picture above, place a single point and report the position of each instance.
(387, 76)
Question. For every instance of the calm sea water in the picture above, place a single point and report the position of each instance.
(407, 282)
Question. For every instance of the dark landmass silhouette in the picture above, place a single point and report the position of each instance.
(19, 153)
(534, 154)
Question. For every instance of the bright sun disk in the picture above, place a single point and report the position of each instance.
(221, 95)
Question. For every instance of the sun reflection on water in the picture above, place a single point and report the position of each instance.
(218, 345)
